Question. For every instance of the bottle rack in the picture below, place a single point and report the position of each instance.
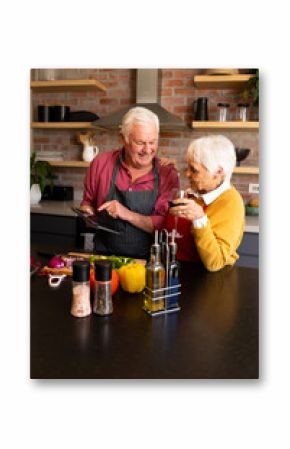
(158, 300)
(163, 287)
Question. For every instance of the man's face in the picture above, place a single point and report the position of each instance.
(141, 146)
(201, 180)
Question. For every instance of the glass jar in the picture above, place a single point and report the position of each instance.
(243, 112)
(222, 114)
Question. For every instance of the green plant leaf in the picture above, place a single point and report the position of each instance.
(40, 172)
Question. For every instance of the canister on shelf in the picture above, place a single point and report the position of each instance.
(43, 112)
(81, 305)
(103, 304)
(222, 113)
(243, 112)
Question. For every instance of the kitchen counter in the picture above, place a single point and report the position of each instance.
(55, 208)
(63, 208)
(214, 336)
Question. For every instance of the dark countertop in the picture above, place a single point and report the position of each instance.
(214, 336)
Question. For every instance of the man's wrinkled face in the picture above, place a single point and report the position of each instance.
(142, 145)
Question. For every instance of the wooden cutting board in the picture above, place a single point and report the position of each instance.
(88, 255)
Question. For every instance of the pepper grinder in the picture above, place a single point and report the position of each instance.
(103, 304)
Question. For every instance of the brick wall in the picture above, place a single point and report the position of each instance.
(177, 96)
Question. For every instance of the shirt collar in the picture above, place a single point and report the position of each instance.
(209, 197)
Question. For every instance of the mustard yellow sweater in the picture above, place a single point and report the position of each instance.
(218, 241)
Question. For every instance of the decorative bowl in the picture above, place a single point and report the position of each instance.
(241, 154)
(252, 211)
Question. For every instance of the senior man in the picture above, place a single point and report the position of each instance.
(129, 188)
(212, 217)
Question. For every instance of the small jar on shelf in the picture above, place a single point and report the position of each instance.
(223, 112)
(243, 112)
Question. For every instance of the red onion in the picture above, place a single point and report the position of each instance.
(56, 262)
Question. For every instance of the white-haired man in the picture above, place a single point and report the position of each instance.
(212, 217)
(130, 188)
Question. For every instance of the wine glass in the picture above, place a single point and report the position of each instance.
(176, 193)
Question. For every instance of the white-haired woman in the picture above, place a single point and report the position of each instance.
(130, 188)
(212, 217)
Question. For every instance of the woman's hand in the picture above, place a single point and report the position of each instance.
(167, 161)
(188, 209)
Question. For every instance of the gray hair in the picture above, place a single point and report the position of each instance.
(213, 152)
(138, 115)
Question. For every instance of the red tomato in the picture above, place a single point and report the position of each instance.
(115, 280)
(92, 279)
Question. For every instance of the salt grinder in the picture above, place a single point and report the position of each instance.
(81, 305)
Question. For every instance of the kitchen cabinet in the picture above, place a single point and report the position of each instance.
(53, 230)
(65, 86)
(249, 251)
(60, 231)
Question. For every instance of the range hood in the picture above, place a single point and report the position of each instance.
(147, 96)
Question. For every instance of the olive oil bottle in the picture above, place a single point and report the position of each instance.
(155, 280)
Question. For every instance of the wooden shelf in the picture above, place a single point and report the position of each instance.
(62, 125)
(83, 164)
(221, 81)
(62, 85)
(240, 126)
(73, 164)
(246, 170)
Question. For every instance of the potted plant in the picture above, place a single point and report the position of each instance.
(41, 173)
(251, 91)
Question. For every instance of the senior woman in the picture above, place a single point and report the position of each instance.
(212, 216)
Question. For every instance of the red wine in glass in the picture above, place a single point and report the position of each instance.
(176, 194)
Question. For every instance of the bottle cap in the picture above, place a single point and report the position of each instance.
(81, 271)
(103, 270)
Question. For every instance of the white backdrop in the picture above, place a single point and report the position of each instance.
(206, 414)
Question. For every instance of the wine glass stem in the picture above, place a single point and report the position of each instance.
(175, 223)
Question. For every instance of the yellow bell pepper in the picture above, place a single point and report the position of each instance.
(132, 277)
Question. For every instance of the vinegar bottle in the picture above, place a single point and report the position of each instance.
(173, 274)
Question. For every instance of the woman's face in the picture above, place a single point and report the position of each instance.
(201, 180)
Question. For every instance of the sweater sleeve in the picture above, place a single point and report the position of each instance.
(218, 241)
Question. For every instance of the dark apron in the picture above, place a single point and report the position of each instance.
(132, 241)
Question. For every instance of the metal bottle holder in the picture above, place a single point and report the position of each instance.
(159, 301)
